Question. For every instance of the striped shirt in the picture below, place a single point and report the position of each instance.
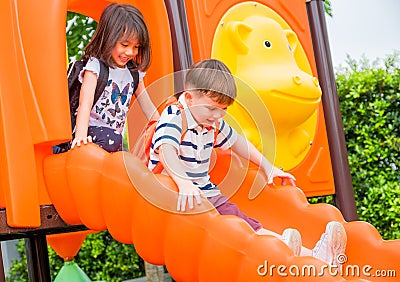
(196, 147)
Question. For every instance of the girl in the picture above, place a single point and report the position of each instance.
(121, 37)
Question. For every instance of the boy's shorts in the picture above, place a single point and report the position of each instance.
(224, 207)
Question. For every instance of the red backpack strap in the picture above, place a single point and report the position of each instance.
(159, 166)
(216, 131)
(184, 121)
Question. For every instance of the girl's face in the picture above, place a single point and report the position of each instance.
(124, 51)
(204, 109)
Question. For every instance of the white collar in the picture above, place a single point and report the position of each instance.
(191, 122)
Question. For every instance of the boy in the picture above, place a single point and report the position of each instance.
(185, 156)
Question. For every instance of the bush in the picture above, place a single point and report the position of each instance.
(380, 207)
(78, 32)
(369, 102)
(101, 258)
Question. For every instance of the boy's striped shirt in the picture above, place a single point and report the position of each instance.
(196, 147)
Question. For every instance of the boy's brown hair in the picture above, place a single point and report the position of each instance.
(118, 22)
(212, 78)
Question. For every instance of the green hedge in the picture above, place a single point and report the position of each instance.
(79, 30)
(369, 95)
(101, 258)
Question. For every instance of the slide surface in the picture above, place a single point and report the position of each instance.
(116, 192)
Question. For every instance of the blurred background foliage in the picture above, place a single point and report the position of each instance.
(101, 258)
(79, 30)
(369, 95)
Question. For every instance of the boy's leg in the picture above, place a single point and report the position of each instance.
(290, 237)
(331, 244)
(224, 207)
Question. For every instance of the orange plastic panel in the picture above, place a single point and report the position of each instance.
(34, 97)
(34, 104)
(67, 245)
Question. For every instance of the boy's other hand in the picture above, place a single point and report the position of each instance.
(287, 178)
(188, 194)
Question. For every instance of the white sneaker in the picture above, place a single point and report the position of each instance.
(292, 238)
(332, 243)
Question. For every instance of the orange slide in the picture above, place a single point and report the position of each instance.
(117, 192)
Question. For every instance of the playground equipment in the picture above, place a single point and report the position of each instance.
(70, 271)
(90, 188)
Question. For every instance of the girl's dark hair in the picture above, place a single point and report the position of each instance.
(118, 22)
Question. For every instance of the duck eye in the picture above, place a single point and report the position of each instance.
(267, 44)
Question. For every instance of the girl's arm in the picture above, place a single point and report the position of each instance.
(246, 150)
(86, 98)
(187, 190)
(147, 106)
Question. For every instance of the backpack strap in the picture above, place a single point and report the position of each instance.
(101, 82)
(216, 132)
(159, 166)
(184, 121)
(135, 75)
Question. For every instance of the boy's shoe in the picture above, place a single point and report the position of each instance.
(292, 238)
(332, 243)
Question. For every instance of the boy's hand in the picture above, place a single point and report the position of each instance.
(188, 193)
(285, 176)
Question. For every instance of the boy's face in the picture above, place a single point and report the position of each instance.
(204, 109)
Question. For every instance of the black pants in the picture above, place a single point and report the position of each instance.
(107, 138)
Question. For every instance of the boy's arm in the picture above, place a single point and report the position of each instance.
(147, 106)
(187, 190)
(246, 150)
(86, 98)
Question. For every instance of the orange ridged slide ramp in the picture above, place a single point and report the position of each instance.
(117, 192)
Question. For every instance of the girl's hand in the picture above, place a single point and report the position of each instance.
(77, 141)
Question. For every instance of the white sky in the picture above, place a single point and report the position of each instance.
(369, 27)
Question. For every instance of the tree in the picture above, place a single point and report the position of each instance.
(328, 8)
